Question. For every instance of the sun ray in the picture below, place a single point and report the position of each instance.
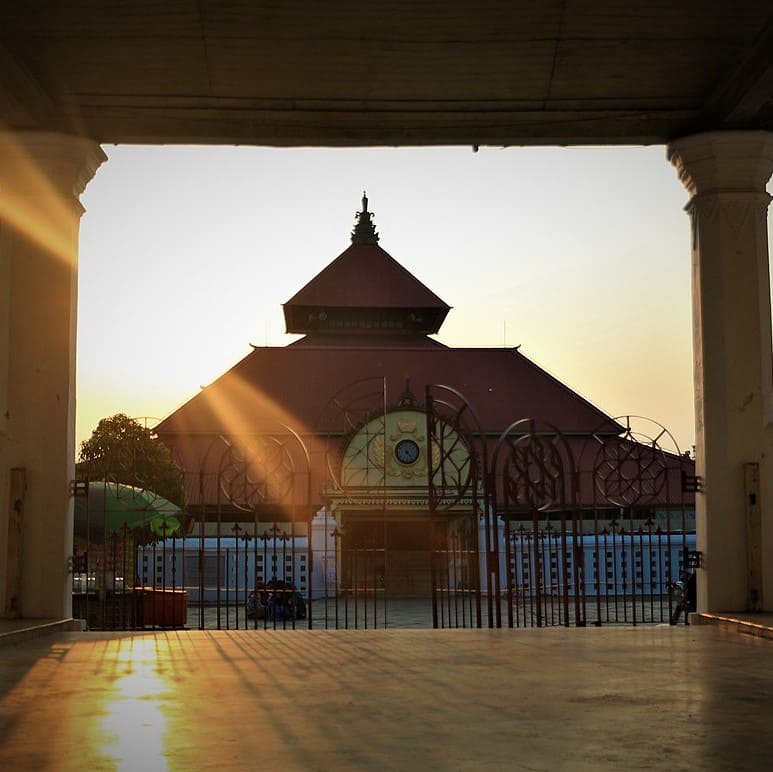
(233, 413)
(41, 204)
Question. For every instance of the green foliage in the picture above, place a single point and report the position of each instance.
(121, 450)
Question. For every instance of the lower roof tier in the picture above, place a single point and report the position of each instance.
(306, 386)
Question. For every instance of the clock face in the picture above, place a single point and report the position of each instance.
(406, 452)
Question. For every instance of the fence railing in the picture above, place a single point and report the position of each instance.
(311, 576)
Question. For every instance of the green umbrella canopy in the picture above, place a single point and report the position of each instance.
(107, 507)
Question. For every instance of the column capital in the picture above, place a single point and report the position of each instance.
(723, 161)
(45, 163)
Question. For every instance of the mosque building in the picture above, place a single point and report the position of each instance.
(384, 432)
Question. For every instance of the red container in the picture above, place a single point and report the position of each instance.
(164, 608)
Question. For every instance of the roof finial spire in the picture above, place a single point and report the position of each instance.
(407, 398)
(364, 230)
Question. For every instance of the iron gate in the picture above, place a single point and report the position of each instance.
(595, 531)
(530, 528)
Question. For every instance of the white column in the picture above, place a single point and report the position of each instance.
(42, 174)
(725, 174)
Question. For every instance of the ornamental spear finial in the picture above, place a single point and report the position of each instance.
(364, 230)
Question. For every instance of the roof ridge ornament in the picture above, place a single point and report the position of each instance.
(407, 398)
(364, 230)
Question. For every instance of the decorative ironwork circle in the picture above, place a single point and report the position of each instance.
(257, 473)
(627, 472)
(534, 472)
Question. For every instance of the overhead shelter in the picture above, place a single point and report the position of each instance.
(353, 73)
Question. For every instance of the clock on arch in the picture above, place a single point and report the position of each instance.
(407, 452)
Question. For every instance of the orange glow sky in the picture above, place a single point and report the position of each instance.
(581, 256)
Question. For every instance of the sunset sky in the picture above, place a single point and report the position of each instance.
(580, 256)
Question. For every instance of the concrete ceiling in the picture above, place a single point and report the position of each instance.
(403, 72)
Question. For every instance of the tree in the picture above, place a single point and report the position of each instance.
(121, 450)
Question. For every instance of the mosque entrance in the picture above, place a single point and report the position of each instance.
(407, 568)
(388, 555)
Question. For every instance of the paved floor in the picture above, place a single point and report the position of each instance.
(681, 698)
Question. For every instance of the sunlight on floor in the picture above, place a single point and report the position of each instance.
(134, 724)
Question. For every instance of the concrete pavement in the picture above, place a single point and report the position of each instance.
(681, 698)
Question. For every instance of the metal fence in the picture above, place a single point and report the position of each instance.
(315, 578)
(527, 529)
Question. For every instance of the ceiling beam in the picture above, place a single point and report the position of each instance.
(747, 88)
(27, 103)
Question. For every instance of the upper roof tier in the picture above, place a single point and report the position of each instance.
(365, 290)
